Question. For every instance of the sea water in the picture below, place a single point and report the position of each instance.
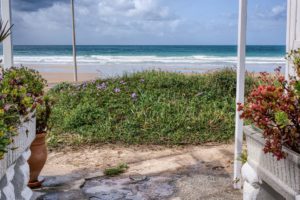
(111, 59)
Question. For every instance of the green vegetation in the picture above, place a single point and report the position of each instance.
(21, 91)
(146, 108)
(115, 171)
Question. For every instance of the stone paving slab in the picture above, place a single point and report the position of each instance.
(189, 184)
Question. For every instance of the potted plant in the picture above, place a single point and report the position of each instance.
(21, 90)
(9, 121)
(9, 116)
(38, 147)
(273, 140)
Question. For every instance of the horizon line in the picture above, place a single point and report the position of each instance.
(146, 45)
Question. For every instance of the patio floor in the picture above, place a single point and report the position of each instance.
(155, 172)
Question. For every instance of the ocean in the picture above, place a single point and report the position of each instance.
(117, 59)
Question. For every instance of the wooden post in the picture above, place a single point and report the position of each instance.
(7, 43)
(242, 27)
(74, 41)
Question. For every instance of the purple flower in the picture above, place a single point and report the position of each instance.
(117, 90)
(84, 85)
(7, 107)
(102, 86)
(134, 96)
(142, 80)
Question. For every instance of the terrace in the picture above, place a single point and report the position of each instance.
(198, 166)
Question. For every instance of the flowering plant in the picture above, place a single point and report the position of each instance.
(23, 87)
(21, 90)
(8, 122)
(274, 107)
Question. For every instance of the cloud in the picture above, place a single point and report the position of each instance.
(277, 12)
(143, 21)
(34, 5)
(117, 19)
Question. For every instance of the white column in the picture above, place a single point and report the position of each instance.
(242, 27)
(7, 43)
(252, 182)
(287, 67)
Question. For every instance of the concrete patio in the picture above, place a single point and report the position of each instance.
(193, 172)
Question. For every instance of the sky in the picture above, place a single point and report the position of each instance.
(149, 22)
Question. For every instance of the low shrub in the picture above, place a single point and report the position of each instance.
(150, 107)
(273, 106)
(21, 90)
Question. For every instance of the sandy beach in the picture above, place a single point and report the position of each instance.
(64, 73)
(58, 77)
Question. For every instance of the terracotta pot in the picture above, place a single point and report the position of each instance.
(37, 159)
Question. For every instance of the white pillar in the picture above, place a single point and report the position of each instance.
(7, 43)
(242, 27)
(287, 67)
(252, 182)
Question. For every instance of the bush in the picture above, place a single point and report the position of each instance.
(22, 87)
(20, 92)
(147, 108)
(274, 107)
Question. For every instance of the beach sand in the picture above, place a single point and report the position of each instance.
(58, 77)
(54, 78)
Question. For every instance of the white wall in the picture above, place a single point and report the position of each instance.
(293, 29)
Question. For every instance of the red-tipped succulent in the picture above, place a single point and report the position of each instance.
(274, 107)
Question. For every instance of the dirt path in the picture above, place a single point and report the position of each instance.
(190, 172)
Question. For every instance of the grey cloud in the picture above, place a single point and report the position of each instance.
(34, 5)
(50, 22)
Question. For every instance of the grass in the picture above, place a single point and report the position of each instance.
(146, 108)
(115, 171)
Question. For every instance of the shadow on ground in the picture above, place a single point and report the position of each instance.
(175, 177)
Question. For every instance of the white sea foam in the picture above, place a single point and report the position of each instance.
(184, 60)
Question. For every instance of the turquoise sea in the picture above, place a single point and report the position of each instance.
(123, 58)
(148, 50)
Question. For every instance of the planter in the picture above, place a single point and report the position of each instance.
(14, 170)
(37, 159)
(282, 176)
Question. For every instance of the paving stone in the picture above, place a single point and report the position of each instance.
(155, 187)
(63, 195)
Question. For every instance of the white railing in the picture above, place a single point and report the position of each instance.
(14, 169)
